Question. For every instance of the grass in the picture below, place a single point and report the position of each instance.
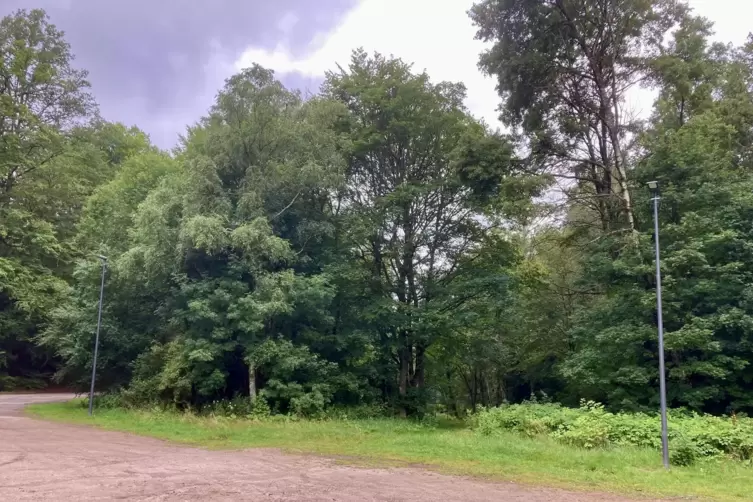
(444, 447)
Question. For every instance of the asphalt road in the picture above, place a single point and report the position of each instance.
(52, 462)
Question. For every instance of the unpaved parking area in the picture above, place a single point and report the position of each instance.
(54, 462)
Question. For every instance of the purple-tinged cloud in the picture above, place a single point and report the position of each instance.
(159, 63)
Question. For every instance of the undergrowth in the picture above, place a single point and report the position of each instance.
(692, 436)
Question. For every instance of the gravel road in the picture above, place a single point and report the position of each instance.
(53, 462)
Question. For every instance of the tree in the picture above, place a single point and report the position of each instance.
(699, 151)
(420, 173)
(109, 211)
(204, 255)
(687, 72)
(108, 214)
(42, 98)
(563, 68)
(375, 243)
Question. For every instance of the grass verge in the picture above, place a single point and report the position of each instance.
(445, 448)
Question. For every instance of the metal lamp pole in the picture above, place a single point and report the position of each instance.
(654, 186)
(96, 339)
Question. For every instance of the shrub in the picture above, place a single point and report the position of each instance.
(528, 419)
(691, 435)
(260, 409)
(589, 430)
(10, 384)
(683, 452)
(108, 401)
(359, 412)
(309, 405)
(239, 407)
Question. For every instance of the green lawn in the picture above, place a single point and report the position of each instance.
(446, 448)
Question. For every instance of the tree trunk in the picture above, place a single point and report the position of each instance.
(501, 394)
(613, 125)
(484, 388)
(251, 380)
(452, 402)
(404, 355)
(474, 393)
(418, 376)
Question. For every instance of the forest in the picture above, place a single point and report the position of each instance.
(375, 244)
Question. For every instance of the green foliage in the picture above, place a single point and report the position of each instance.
(361, 412)
(705, 266)
(563, 70)
(112, 207)
(422, 175)
(692, 436)
(596, 267)
(298, 381)
(239, 407)
(52, 157)
(375, 248)
(684, 452)
(11, 384)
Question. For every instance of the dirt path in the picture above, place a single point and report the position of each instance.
(53, 462)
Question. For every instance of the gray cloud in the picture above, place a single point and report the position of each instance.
(306, 84)
(159, 63)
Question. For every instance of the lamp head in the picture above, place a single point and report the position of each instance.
(103, 258)
(653, 185)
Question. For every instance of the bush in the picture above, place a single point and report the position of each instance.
(359, 412)
(692, 436)
(528, 419)
(309, 404)
(260, 409)
(238, 407)
(11, 384)
(683, 452)
(108, 401)
(590, 430)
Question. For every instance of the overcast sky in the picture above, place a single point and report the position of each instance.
(158, 63)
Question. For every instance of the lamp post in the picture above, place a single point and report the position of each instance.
(654, 187)
(103, 259)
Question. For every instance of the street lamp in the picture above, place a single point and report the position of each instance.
(103, 259)
(654, 187)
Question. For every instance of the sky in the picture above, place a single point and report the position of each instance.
(438, 36)
(158, 64)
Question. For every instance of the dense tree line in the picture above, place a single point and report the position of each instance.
(376, 243)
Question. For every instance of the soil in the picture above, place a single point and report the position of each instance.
(55, 462)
